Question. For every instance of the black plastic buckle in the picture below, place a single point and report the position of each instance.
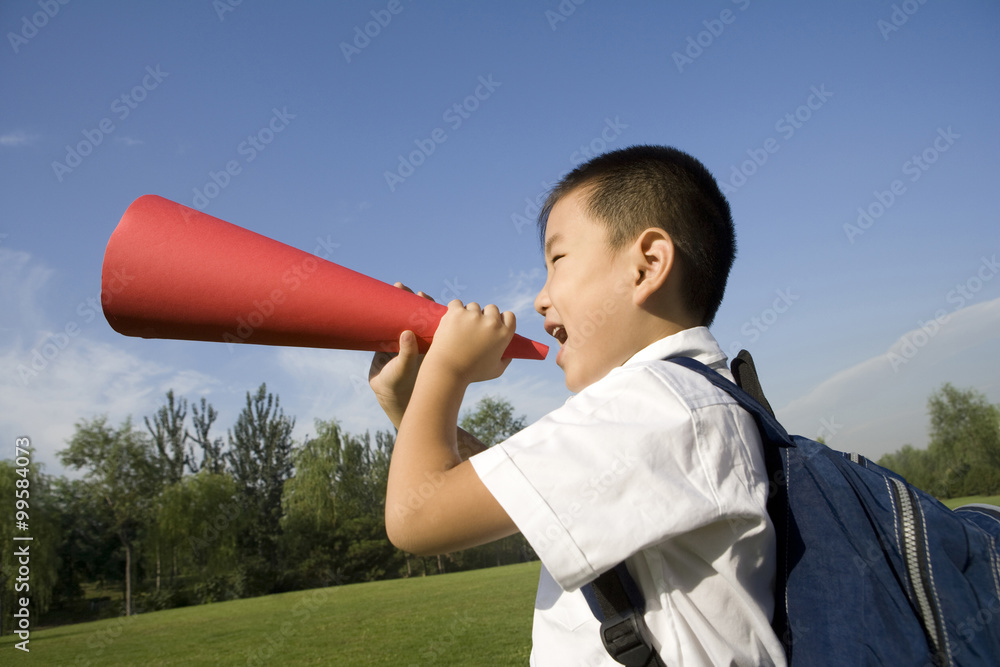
(626, 638)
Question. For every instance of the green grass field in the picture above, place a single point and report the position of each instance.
(467, 618)
(968, 500)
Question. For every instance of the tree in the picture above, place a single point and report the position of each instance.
(169, 435)
(212, 457)
(916, 465)
(88, 547)
(200, 517)
(121, 471)
(963, 455)
(965, 437)
(260, 458)
(333, 522)
(492, 421)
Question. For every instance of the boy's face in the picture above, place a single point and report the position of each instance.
(586, 298)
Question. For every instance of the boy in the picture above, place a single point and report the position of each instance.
(647, 463)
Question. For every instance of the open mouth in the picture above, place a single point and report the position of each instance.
(559, 333)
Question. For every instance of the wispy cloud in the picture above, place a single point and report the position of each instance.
(129, 141)
(330, 384)
(16, 138)
(22, 281)
(879, 405)
(87, 379)
(519, 292)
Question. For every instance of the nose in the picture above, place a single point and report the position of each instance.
(542, 302)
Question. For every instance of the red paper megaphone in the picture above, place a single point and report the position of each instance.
(173, 272)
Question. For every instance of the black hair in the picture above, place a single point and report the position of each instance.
(632, 189)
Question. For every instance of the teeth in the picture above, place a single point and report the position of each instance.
(559, 333)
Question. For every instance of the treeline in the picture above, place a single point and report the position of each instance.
(963, 452)
(171, 514)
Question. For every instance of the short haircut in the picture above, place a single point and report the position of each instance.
(635, 188)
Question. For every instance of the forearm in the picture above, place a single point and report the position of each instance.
(435, 500)
(468, 444)
(426, 449)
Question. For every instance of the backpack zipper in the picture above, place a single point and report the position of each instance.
(918, 568)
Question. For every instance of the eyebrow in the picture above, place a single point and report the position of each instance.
(550, 242)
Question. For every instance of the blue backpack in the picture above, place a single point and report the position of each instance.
(871, 570)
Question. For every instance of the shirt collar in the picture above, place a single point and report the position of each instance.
(697, 343)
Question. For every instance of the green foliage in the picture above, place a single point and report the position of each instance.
(492, 421)
(333, 509)
(260, 458)
(121, 472)
(29, 486)
(88, 548)
(197, 522)
(169, 437)
(963, 455)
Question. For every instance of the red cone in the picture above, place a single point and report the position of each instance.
(173, 272)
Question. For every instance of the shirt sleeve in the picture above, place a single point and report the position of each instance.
(620, 467)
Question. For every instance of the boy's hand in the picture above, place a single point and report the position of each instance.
(469, 342)
(392, 376)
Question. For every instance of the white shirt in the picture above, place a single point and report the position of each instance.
(654, 465)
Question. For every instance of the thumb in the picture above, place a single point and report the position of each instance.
(409, 352)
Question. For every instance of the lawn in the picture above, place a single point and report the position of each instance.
(968, 500)
(467, 618)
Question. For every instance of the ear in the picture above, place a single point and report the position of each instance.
(653, 256)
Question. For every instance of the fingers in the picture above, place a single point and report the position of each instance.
(490, 310)
(404, 287)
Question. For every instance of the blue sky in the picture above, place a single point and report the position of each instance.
(857, 142)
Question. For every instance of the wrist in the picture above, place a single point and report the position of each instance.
(392, 407)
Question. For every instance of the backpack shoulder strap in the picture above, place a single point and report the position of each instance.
(771, 432)
(745, 372)
(616, 601)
